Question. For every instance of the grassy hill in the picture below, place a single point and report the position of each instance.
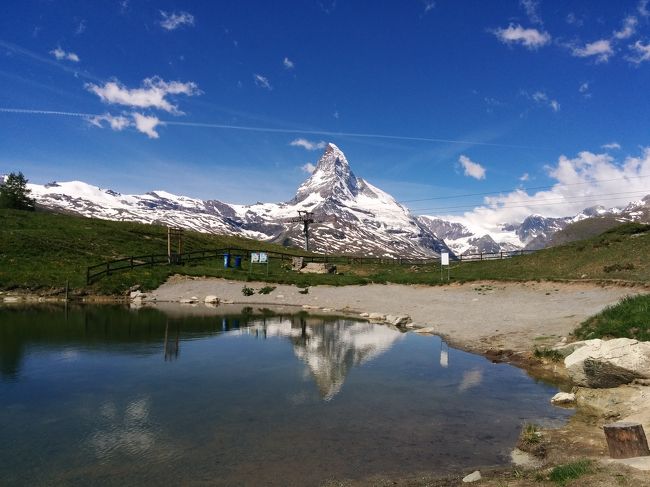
(590, 227)
(39, 251)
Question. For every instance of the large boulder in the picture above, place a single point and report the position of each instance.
(609, 363)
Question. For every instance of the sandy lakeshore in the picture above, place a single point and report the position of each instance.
(475, 316)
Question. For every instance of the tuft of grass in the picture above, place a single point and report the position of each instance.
(247, 291)
(626, 319)
(548, 354)
(530, 434)
(266, 290)
(562, 474)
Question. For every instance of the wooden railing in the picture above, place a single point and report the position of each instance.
(96, 272)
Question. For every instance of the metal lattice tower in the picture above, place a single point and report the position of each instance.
(306, 218)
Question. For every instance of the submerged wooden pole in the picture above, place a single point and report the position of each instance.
(626, 440)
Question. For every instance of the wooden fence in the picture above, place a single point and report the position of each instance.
(96, 272)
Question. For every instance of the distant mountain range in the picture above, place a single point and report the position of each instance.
(352, 216)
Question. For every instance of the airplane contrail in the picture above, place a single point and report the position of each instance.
(279, 130)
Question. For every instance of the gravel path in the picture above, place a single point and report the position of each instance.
(474, 316)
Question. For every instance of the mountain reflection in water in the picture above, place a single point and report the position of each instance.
(329, 347)
(329, 350)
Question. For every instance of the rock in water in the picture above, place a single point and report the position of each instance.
(563, 398)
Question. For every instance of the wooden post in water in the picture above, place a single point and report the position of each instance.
(626, 440)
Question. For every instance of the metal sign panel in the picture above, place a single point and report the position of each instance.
(263, 257)
(444, 258)
(255, 257)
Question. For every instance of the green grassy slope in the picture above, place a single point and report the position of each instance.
(40, 251)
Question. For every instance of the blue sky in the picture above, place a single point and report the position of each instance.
(135, 96)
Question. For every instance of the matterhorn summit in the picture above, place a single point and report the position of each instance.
(332, 177)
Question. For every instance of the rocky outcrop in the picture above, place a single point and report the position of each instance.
(601, 364)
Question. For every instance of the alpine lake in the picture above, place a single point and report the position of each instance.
(107, 395)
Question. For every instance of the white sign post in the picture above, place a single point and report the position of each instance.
(444, 261)
(259, 258)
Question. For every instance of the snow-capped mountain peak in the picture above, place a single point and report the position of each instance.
(332, 178)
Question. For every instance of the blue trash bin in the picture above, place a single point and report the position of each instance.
(226, 261)
(238, 261)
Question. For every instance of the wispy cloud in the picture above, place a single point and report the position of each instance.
(174, 20)
(600, 49)
(428, 5)
(583, 89)
(308, 167)
(152, 94)
(628, 28)
(532, 10)
(81, 27)
(115, 122)
(524, 177)
(471, 168)
(287, 63)
(308, 144)
(611, 145)
(573, 19)
(641, 52)
(642, 8)
(60, 54)
(262, 82)
(529, 38)
(147, 124)
(541, 98)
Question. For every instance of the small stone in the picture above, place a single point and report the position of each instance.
(280, 296)
(364, 315)
(397, 320)
(227, 301)
(376, 317)
(191, 300)
(563, 398)
(473, 477)
(211, 299)
(11, 299)
(135, 294)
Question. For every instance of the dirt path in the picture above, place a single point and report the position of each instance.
(474, 316)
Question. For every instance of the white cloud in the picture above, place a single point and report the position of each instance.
(336, 114)
(516, 34)
(611, 145)
(542, 98)
(642, 8)
(115, 122)
(308, 168)
(601, 49)
(471, 169)
(583, 181)
(642, 52)
(307, 144)
(532, 10)
(173, 20)
(262, 81)
(152, 94)
(628, 29)
(81, 27)
(287, 63)
(147, 124)
(60, 54)
(572, 19)
(428, 5)
(524, 177)
(584, 87)
(142, 123)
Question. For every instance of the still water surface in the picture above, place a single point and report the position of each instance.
(112, 396)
